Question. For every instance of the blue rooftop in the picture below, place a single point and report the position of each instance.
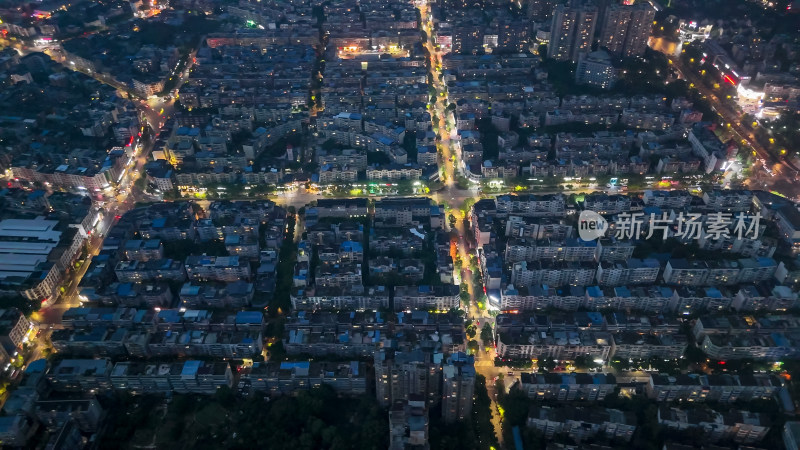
(190, 368)
(594, 291)
(249, 317)
(169, 316)
(38, 366)
(124, 289)
(289, 365)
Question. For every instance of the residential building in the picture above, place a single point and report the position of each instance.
(596, 69)
(633, 345)
(35, 253)
(237, 294)
(345, 207)
(529, 205)
(571, 32)
(728, 200)
(570, 249)
(16, 430)
(791, 435)
(399, 376)
(668, 199)
(685, 272)
(156, 269)
(408, 424)
(724, 388)
(287, 378)
(14, 328)
(583, 423)
(632, 271)
(552, 273)
(219, 268)
(771, 347)
(742, 427)
(401, 212)
(340, 297)
(788, 220)
(627, 28)
(458, 387)
(605, 204)
(144, 250)
(80, 375)
(559, 345)
(567, 387)
(439, 297)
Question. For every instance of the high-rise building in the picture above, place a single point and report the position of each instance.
(571, 32)
(458, 387)
(626, 29)
(400, 374)
(541, 10)
(467, 38)
(512, 35)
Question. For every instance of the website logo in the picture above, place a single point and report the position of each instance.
(591, 225)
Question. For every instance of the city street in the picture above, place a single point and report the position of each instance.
(450, 157)
(449, 149)
(783, 178)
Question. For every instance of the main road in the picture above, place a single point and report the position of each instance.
(155, 112)
(782, 173)
(450, 167)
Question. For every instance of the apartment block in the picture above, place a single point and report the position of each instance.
(217, 268)
(439, 297)
(340, 297)
(567, 387)
(743, 427)
(571, 32)
(633, 345)
(724, 388)
(632, 271)
(529, 205)
(287, 378)
(408, 424)
(401, 375)
(156, 269)
(557, 345)
(458, 387)
(583, 423)
(144, 250)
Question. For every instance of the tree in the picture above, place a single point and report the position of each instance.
(694, 354)
(546, 364)
(464, 297)
(482, 416)
(473, 346)
(516, 405)
(477, 278)
(21, 303)
(585, 362)
(487, 336)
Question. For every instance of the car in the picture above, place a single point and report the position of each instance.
(511, 373)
